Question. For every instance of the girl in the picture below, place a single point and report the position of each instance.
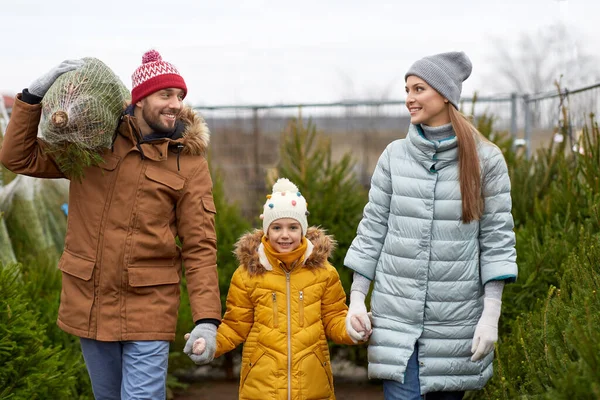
(284, 301)
(437, 240)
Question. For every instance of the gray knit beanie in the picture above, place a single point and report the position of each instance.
(445, 72)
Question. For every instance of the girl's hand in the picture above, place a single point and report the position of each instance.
(359, 327)
(199, 345)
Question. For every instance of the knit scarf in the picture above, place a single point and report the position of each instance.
(288, 259)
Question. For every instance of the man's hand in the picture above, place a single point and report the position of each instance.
(358, 324)
(207, 333)
(40, 86)
(486, 332)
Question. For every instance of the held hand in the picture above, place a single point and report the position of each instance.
(40, 86)
(359, 326)
(206, 332)
(486, 332)
(357, 311)
(199, 345)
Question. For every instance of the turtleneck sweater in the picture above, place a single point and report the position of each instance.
(437, 133)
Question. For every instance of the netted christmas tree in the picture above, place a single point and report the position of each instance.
(33, 214)
(81, 112)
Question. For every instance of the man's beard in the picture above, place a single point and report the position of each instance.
(156, 125)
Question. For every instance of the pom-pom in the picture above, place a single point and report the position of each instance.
(284, 185)
(151, 56)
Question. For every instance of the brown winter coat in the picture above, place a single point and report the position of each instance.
(121, 266)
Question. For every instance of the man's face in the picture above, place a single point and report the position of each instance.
(160, 110)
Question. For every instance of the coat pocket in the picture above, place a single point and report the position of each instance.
(257, 377)
(159, 191)
(315, 379)
(77, 293)
(152, 299)
(208, 220)
(153, 243)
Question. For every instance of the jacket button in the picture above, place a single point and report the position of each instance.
(324, 363)
(249, 364)
(422, 364)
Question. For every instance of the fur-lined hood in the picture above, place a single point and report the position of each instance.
(196, 136)
(191, 131)
(249, 254)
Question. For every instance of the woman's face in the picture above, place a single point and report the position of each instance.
(425, 104)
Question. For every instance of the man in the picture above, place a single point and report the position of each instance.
(121, 267)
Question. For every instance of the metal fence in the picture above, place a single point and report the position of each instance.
(245, 138)
(544, 113)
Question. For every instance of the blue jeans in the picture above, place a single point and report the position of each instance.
(411, 389)
(131, 370)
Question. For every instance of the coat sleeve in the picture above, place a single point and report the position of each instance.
(365, 249)
(334, 309)
(196, 230)
(238, 318)
(498, 255)
(22, 151)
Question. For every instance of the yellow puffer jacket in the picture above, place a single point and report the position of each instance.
(284, 319)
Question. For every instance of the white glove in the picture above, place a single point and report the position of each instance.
(40, 86)
(486, 332)
(358, 318)
(207, 332)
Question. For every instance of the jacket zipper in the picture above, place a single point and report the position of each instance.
(289, 336)
(301, 307)
(275, 317)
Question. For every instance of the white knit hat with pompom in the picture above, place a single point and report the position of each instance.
(286, 201)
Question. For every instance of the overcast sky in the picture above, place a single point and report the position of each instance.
(266, 52)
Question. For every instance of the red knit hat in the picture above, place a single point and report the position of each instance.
(154, 74)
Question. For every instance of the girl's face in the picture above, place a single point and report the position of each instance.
(425, 104)
(284, 235)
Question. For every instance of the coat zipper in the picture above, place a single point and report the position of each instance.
(289, 336)
(301, 309)
(275, 316)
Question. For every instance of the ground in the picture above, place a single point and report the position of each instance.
(208, 382)
(228, 390)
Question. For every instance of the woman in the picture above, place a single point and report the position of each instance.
(437, 240)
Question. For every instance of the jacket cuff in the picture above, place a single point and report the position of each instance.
(30, 98)
(213, 321)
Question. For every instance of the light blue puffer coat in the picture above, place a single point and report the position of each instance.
(429, 267)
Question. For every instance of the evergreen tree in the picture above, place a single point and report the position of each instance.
(331, 187)
(32, 368)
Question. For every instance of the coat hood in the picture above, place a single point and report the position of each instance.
(191, 131)
(319, 250)
(196, 135)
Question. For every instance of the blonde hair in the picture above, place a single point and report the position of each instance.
(469, 171)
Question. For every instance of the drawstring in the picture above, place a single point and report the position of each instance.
(179, 147)
(117, 132)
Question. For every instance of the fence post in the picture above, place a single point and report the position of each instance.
(513, 116)
(258, 181)
(527, 125)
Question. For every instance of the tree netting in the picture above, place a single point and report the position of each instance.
(7, 255)
(81, 111)
(33, 216)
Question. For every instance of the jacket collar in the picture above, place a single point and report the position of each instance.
(250, 256)
(433, 156)
(191, 135)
